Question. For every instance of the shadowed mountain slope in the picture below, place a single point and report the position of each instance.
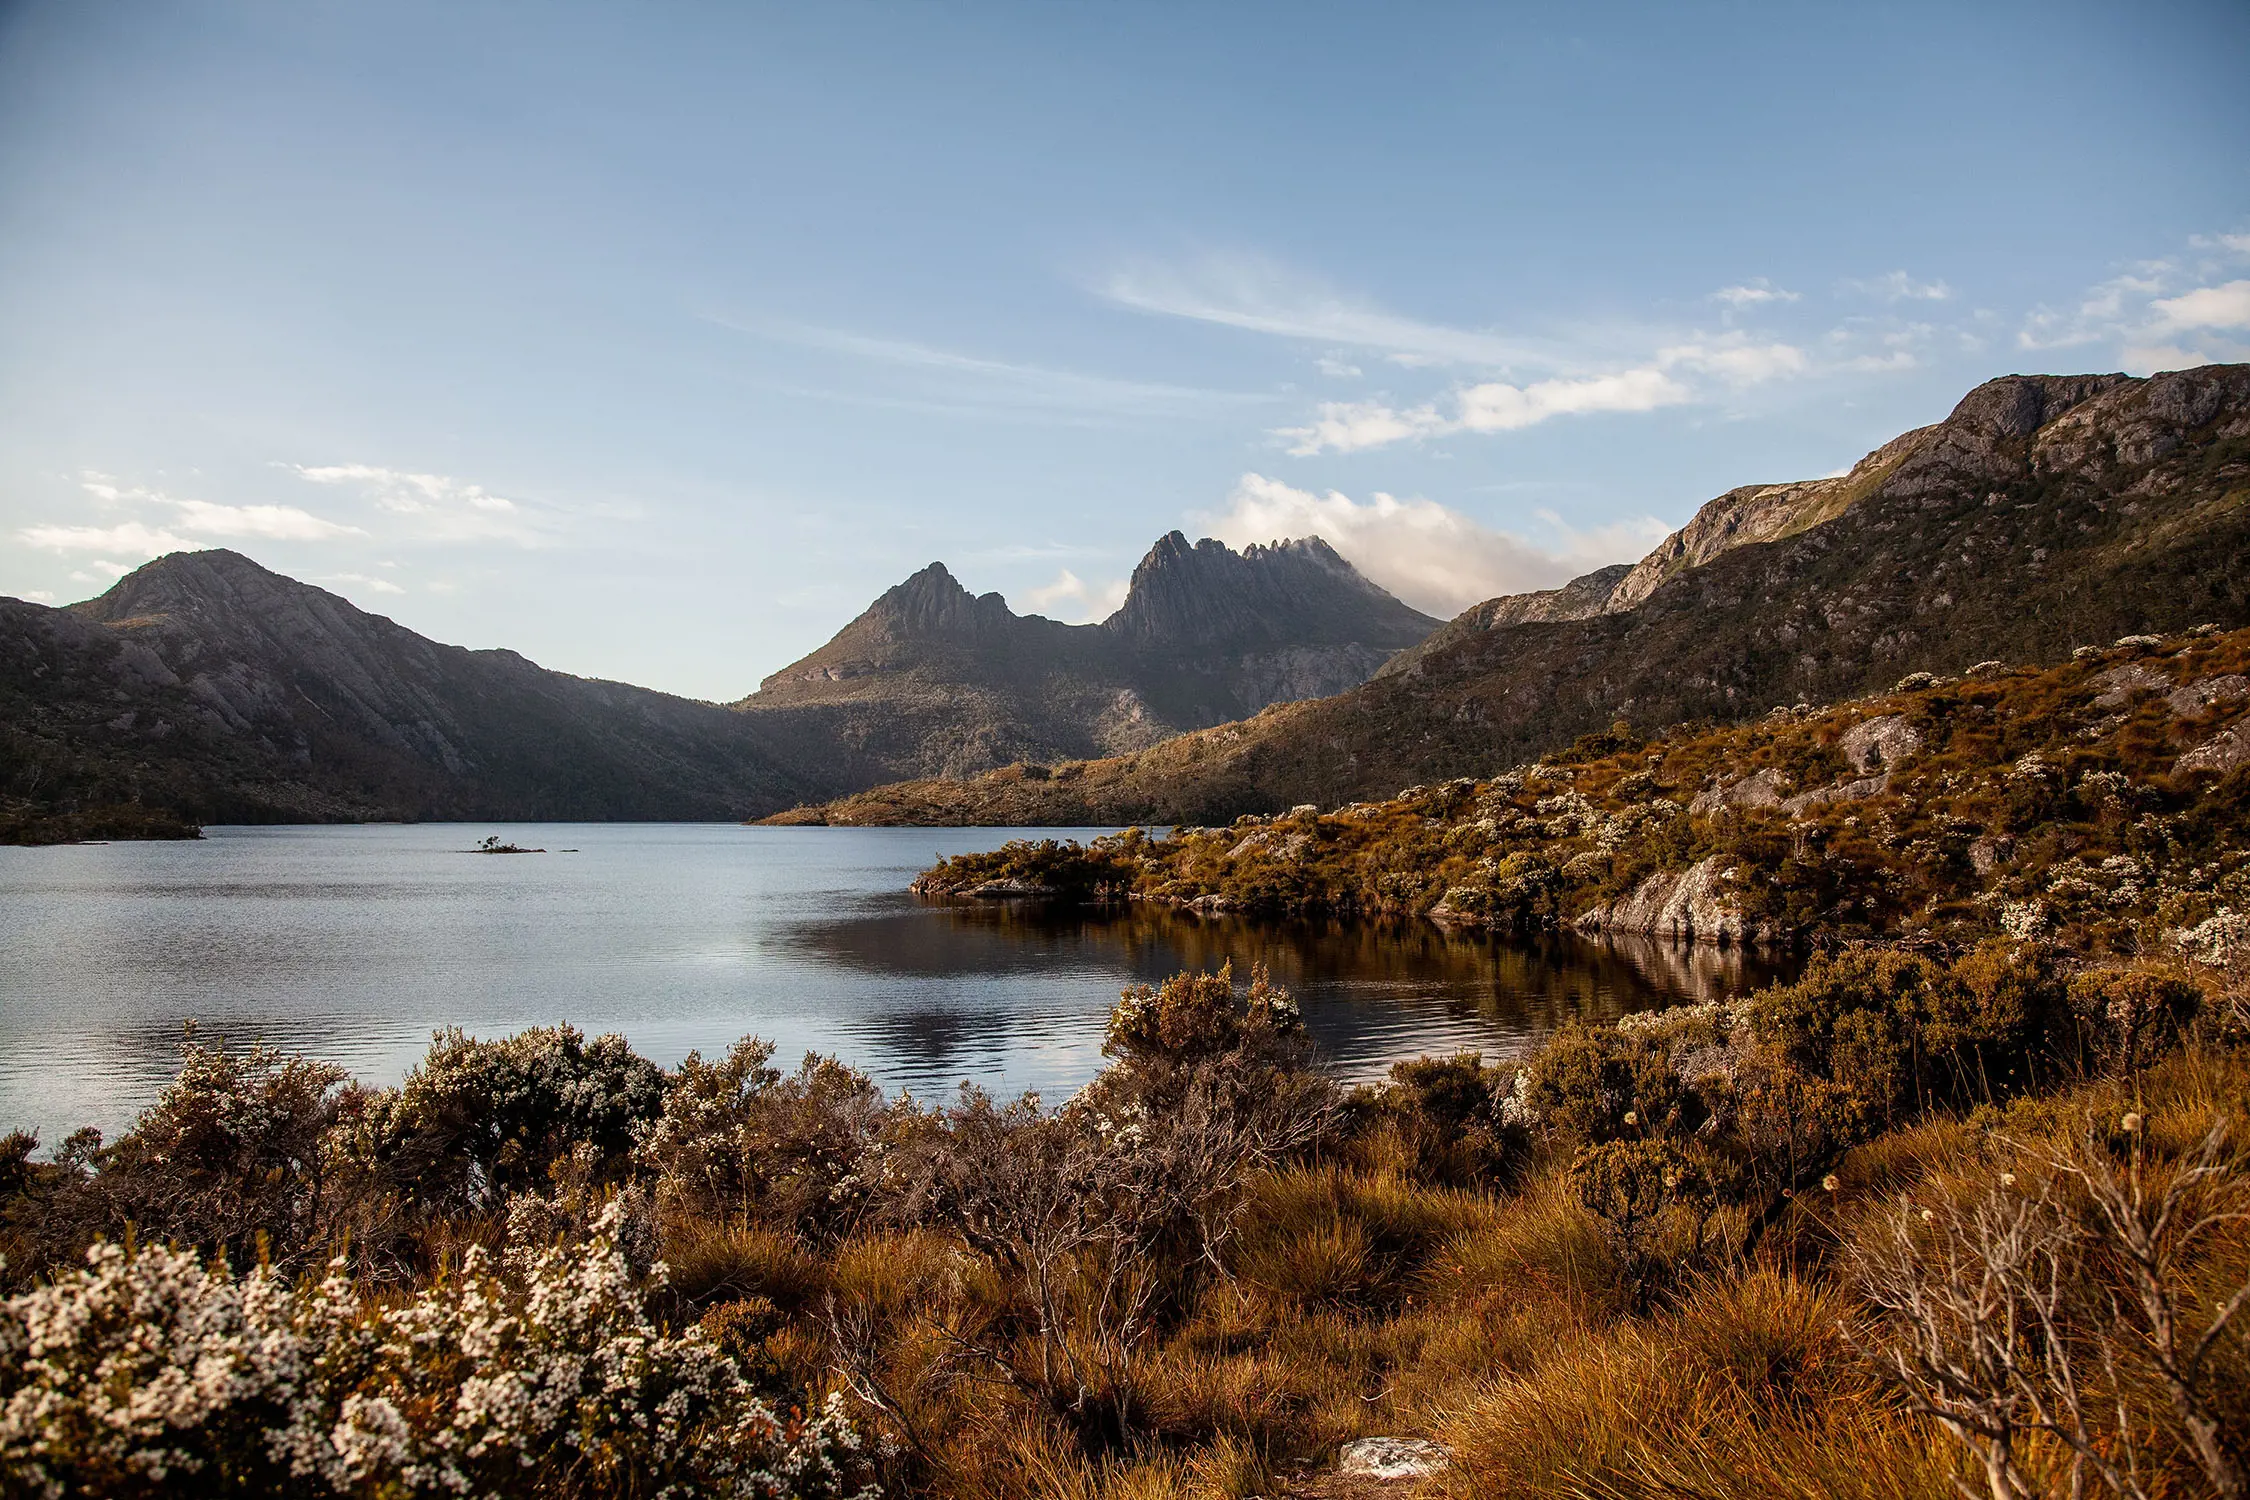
(934, 680)
(2045, 513)
(206, 684)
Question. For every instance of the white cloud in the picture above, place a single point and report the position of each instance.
(1335, 368)
(2226, 306)
(1494, 406)
(281, 522)
(2149, 359)
(1753, 293)
(1349, 426)
(1499, 407)
(192, 525)
(1435, 559)
(2100, 312)
(1073, 599)
(438, 507)
(1897, 286)
(2155, 314)
(39, 596)
(129, 538)
(1736, 360)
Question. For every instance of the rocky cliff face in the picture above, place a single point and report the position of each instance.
(207, 684)
(2045, 513)
(931, 680)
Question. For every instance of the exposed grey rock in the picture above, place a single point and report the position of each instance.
(1391, 1458)
(2193, 698)
(1874, 744)
(1762, 788)
(2225, 751)
(1841, 791)
(2120, 684)
(1688, 905)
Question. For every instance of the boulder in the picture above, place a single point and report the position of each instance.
(1874, 744)
(1688, 905)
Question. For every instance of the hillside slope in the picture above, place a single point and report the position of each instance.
(2045, 513)
(932, 680)
(2100, 801)
(205, 684)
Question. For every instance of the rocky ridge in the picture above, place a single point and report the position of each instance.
(931, 679)
(2043, 514)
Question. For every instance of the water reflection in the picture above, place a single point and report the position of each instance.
(353, 944)
(1368, 989)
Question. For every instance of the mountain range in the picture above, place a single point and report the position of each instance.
(209, 687)
(2044, 514)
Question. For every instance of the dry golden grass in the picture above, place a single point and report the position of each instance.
(1360, 1303)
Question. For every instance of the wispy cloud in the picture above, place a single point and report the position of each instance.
(186, 525)
(976, 380)
(125, 539)
(1498, 406)
(435, 507)
(1753, 293)
(203, 518)
(2165, 314)
(1263, 297)
(1897, 286)
(1434, 558)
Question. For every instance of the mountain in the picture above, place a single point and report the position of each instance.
(204, 684)
(2045, 513)
(932, 680)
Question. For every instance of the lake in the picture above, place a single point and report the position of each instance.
(353, 943)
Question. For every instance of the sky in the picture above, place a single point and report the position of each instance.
(655, 340)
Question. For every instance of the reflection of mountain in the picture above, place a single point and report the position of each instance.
(1527, 985)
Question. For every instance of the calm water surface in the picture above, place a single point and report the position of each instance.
(352, 944)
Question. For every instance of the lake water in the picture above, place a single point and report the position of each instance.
(353, 943)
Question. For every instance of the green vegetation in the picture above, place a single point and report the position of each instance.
(1905, 1224)
(2104, 803)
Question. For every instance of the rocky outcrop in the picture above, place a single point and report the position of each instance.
(2225, 751)
(1877, 743)
(1686, 906)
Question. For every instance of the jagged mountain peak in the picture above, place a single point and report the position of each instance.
(1297, 589)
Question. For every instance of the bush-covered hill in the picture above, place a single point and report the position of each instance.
(2046, 513)
(2103, 801)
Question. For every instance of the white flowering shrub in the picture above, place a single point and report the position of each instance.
(148, 1370)
(2222, 941)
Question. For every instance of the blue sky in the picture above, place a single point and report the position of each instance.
(655, 340)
